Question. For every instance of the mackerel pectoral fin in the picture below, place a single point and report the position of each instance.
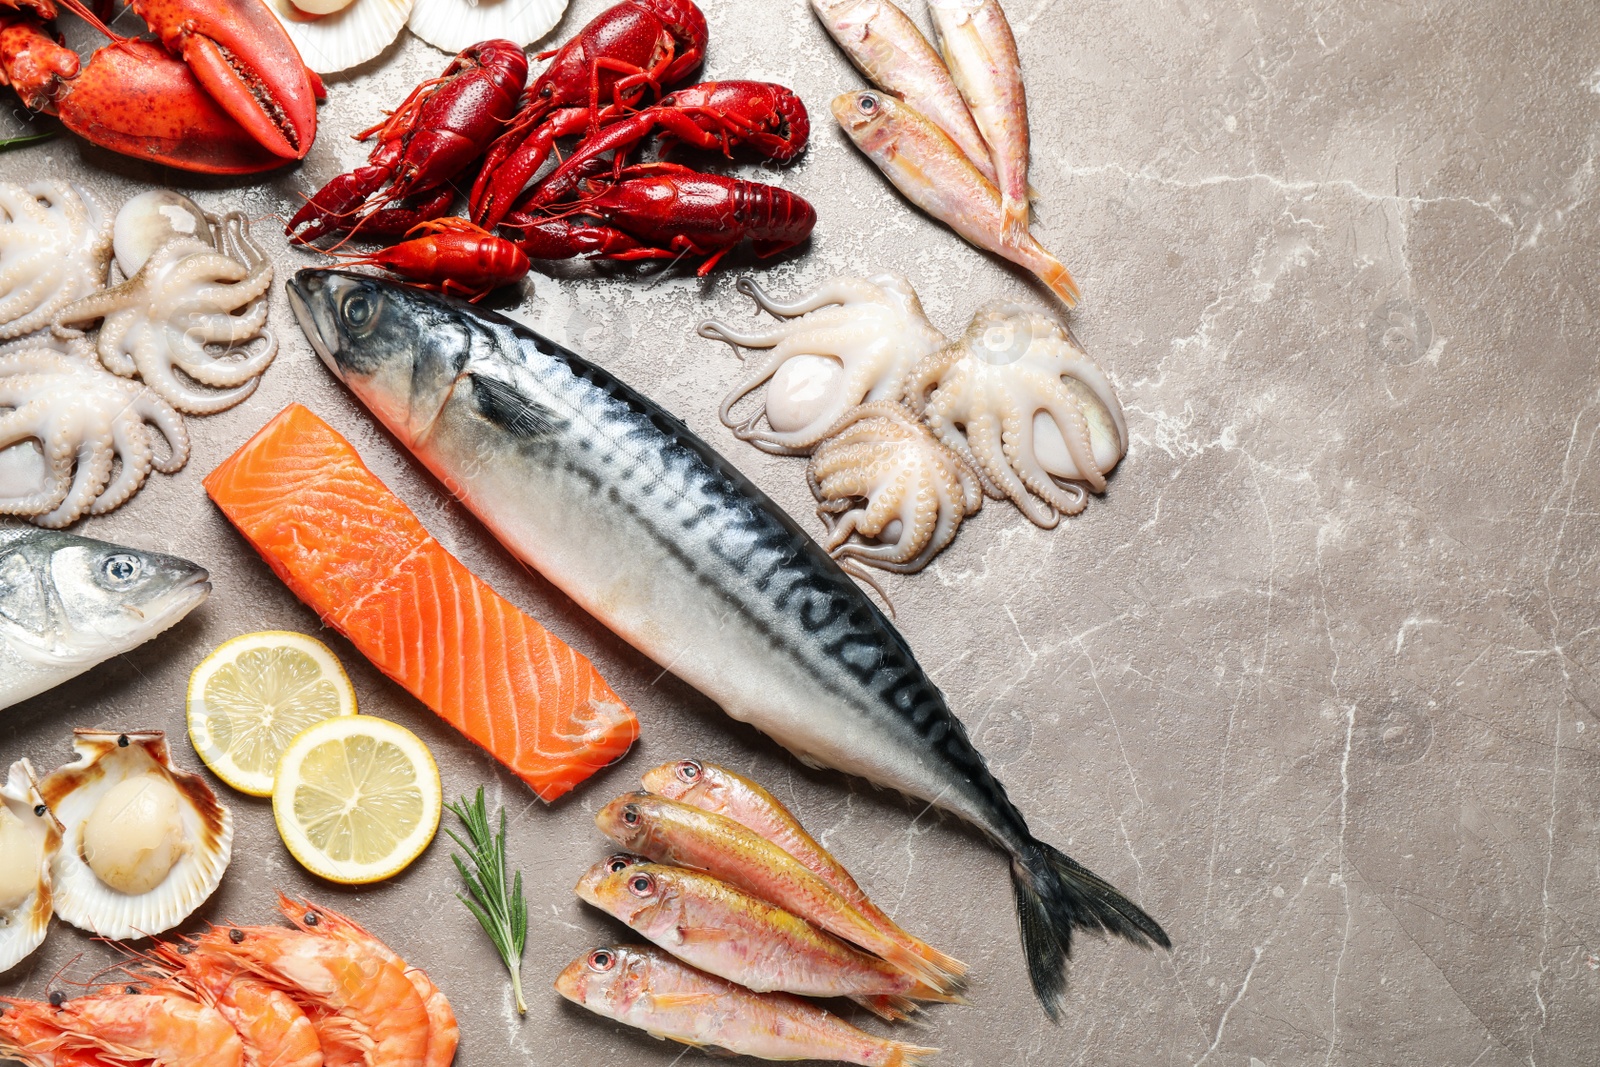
(507, 407)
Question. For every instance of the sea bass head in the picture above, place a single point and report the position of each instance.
(608, 980)
(66, 599)
(400, 349)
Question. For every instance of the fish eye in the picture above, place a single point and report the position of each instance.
(689, 771)
(641, 885)
(867, 103)
(630, 815)
(358, 310)
(120, 568)
(602, 959)
(619, 862)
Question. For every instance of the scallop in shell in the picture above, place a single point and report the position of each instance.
(151, 219)
(144, 844)
(455, 24)
(29, 839)
(345, 38)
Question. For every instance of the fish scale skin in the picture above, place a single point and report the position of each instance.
(351, 550)
(644, 525)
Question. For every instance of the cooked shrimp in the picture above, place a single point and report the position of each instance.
(275, 1032)
(364, 1008)
(159, 1027)
(443, 1032)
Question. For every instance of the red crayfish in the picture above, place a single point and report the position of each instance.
(663, 211)
(455, 257)
(224, 92)
(434, 135)
(625, 51)
(769, 119)
(604, 86)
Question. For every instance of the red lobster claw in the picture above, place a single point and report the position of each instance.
(241, 55)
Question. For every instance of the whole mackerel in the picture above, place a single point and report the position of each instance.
(644, 525)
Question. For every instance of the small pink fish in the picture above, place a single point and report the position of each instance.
(925, 165)
(982, 56)
(648, 989)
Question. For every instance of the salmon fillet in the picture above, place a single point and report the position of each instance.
(352, 550)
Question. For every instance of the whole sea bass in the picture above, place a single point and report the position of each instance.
(68, 603)
(644, 525)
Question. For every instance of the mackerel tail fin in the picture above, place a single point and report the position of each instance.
(1056, 895)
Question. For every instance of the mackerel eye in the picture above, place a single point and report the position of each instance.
(630, 815)
(689, 771)
(642, 885)
(602, 960)
(357, 311)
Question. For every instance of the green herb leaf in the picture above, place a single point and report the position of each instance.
(32, 138)
(495, 899)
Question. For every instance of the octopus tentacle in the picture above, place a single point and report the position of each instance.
(984, 434)
(131, 444)
(94, 461)
(843, 290)
(157, 412)
(55, 246)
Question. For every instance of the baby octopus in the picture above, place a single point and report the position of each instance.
(55, 246)
(76, 422)
(1018, 399)
(882, 475)
(851, 341)
(193, 307)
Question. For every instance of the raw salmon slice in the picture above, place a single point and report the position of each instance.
(354, 552)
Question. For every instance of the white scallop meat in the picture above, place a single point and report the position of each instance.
(144, 844)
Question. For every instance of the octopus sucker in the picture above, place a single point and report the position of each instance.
(848, 342)
(1020, 400)
(189, 319)
(882, 476)
(55, 246)
(76, 440)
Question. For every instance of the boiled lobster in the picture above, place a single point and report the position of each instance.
(629, 50)
(434, 135)
(663, 211)
(225, 91)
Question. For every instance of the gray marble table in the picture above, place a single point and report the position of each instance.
(1314, 680)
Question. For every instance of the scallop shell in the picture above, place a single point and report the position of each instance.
(23, 930)
(104, 759)
(455, 24)
(345, 38)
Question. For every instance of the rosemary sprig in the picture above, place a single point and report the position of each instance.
(32, 138)
(495, 899)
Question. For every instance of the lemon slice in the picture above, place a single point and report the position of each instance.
(253, 695)
(357, 799)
